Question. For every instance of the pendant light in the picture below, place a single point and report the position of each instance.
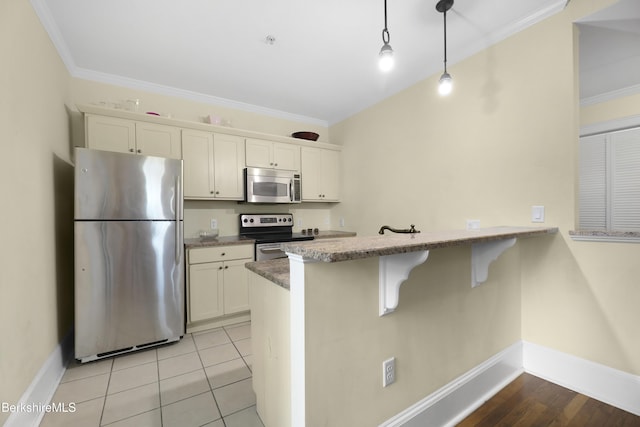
(386, 53)
(446, 83)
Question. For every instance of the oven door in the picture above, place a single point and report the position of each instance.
(268, 186)
(266, 251)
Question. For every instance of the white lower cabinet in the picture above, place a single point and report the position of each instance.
(217, 288)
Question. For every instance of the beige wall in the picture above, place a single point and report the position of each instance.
(90, 92)
(440, 329)
(36, 282)
(506, 139)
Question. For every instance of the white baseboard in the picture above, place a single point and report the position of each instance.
(608, 385)
(43, 386)
(455, 401)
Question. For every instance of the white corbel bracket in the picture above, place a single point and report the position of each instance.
(483, 254)
(394, 270)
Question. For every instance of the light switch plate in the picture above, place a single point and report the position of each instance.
(537, 213)
(473, 224)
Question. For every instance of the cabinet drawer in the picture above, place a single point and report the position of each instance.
(220, 253)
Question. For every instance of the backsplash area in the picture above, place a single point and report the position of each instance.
(198, 215)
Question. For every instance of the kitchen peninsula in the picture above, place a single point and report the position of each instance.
(325, 320)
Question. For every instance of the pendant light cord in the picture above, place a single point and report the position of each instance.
(445, 40)
(385, 31)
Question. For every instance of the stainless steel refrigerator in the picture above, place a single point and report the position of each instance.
(129, 253)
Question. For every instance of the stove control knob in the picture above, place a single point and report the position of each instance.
(290, 220)
(245, 220)
(251, 220)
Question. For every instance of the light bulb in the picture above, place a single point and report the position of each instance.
(386, 58)
(445, 85)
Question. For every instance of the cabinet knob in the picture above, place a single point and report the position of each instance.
(131, 150)
(275, 164)
(220, 268)
(211, 191)
(270, 164)
(223, 254)
(226, 266)
(139, 151)
(217, 192)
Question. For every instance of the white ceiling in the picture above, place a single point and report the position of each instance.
(321, 69)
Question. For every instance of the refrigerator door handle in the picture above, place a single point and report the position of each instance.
(178, 206)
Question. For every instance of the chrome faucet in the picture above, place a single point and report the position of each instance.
(411, 230)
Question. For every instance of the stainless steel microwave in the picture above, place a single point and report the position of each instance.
(271, 186)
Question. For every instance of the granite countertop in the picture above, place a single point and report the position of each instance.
(332, 234)
(198, 242)
(276, 270)
(335, 250)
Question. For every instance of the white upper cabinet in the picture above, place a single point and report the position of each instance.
(110, 133)
(272, 155)
(228, 161)
(158, 140)
(213, 165)
(320, 175)
(128, 136)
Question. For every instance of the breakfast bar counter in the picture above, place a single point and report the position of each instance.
(335, 250)
(325, 319)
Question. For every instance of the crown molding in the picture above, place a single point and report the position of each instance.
(45, 16)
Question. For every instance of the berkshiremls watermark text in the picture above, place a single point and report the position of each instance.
(39, 407)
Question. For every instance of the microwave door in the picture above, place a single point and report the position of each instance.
(261, 189)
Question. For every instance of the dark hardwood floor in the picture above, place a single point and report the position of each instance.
(531, 401)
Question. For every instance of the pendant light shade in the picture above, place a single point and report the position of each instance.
(445, 85)
(386, 53)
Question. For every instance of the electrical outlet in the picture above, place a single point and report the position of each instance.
(341, 222)
(388, 372)
(214, 224)
(327, 221)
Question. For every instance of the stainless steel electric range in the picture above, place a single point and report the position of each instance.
(269, 231)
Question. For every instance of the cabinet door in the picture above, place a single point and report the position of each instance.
(236, 286)
(259, 153)
(320, 174)
(158, 140)
(197, 157)
(110, 134)
(228, 159)
(286, 156)
(205, 291)
(311, 173)
(330, 174)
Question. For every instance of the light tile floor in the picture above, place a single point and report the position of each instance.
(203, 380)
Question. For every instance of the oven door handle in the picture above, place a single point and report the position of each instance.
(270, 250)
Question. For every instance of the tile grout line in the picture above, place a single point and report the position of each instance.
(106, 392)
(209, 383)
(159, 392)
